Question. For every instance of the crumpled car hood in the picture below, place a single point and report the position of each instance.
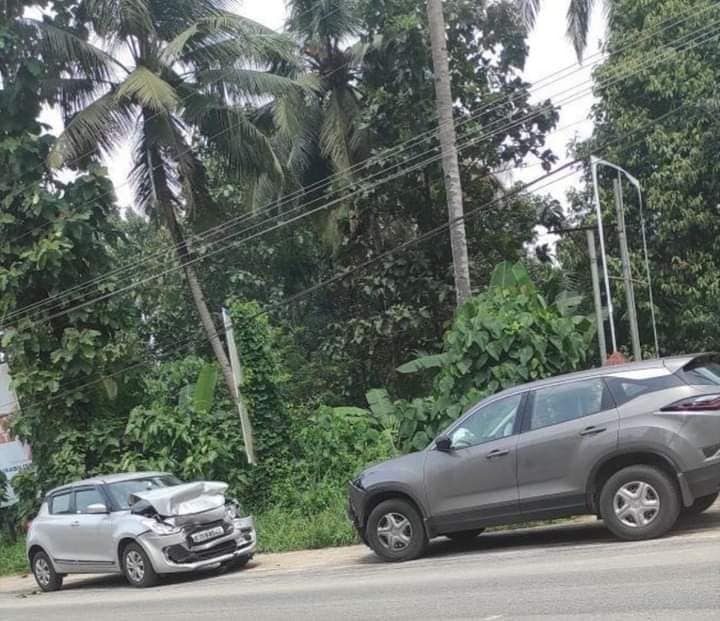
(185, 499)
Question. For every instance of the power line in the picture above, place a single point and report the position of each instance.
(401, 247)
(325, 206)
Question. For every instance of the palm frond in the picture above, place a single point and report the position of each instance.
(578, 18)
(529, 10)
(249, 83)
(73, 94)
(67, 47)
(241, 148)
(101, 125)
(255, 49)
(336, 130)
(148, 90)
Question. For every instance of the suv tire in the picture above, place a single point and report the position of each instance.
(639, 502)
(701, 504)
(464, 536)
(137, 567)
(395, 531)
(45, 575)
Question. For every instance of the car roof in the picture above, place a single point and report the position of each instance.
(108, 478)
(671, 364)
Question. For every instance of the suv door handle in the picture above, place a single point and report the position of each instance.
(592, 431)
(497, 453)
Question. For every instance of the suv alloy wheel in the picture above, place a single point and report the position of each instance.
(395, 531)
(639, 502)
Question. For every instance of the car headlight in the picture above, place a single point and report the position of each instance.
(161, 528)
(233, 510)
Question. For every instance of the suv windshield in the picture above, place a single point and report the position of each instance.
(122, 490)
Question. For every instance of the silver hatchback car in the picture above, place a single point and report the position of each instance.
(142, 524)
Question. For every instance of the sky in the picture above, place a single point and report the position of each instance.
(550, 52)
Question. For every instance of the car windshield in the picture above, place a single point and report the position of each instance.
(122, 490)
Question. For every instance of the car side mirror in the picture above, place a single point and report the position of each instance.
(97, 509)
(443, 443)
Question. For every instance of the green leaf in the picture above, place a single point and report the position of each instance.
(149, 90)
(111, 388)
(433, 361)
(204, 392)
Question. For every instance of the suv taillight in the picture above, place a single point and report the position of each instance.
(702, 403)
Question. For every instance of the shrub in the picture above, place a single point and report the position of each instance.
(505, 336)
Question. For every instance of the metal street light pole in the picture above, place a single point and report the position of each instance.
(594, 162)
(603, 254)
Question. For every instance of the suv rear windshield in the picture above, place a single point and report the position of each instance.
(702, 373)
(122, 490)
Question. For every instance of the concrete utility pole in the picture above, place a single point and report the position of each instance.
(627, 270)
(448, 145)
(238, 375)
(599, 319)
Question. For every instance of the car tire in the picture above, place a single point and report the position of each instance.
(639, 502)
(701, 504)
(395, 531)
(137, 567)
(464, 536)
(45, 575)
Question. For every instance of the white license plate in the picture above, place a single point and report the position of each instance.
(210, 533)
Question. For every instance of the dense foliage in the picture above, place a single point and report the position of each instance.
(508, 335)
(675, 161)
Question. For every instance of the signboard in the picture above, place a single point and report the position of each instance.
(14, 455)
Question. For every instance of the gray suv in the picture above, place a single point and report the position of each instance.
(634, 444)
(142, 524)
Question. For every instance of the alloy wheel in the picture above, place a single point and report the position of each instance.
(394, 532)
(42, 572)
(135, 566)
(636, 504)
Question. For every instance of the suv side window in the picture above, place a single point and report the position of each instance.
(626, 389)
(491, 422)
(566, 402)
(61, 504)
(86, 497)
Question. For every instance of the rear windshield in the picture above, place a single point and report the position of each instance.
(122, 490)
(702, 373)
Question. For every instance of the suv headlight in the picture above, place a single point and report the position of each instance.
(233, 510)
(161, 528)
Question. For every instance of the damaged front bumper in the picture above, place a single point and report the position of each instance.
(178, 552)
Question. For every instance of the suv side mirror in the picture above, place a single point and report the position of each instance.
(443, 443)
(97, 509)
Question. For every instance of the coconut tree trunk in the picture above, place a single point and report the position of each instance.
(164, 200)
(451, 168)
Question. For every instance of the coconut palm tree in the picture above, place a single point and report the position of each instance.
(325, 31)
(167, 76)
(578, 19)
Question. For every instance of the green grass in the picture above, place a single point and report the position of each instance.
(284, 530)
(12, 557)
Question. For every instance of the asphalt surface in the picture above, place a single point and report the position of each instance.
(573, 572)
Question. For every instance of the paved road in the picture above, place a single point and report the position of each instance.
(573, 572)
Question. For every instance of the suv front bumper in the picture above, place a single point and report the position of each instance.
(176, 553)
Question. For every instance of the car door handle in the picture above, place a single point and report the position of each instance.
(75, 523)
(497, 453)
(592, 431)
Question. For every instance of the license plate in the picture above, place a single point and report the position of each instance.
(205, 535)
